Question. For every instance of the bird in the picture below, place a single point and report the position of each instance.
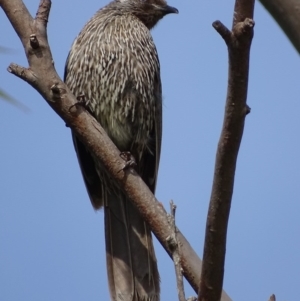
(114, 66)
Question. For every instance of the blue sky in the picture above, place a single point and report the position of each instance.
(51, 240)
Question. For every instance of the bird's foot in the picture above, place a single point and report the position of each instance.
(129, 160)
(81, 101)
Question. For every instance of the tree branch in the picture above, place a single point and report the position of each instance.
(287, 15)
(174, 246)
(238, 41)
(42, 75)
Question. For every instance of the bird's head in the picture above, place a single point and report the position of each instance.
(148, 11)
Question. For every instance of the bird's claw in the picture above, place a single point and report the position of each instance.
(81, 101)
(129, 160)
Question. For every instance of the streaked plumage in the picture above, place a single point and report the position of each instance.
(114, 64)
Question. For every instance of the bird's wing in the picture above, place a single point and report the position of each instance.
(89, 173)
(150, 160)
(87, 167)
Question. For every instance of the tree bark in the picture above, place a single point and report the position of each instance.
(238, 41)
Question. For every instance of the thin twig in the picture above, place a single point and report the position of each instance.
(238, 41)
(174, 246)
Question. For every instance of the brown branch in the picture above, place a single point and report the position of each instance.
(175, 247)
(238, 42)
(287, 15)
(44, 78)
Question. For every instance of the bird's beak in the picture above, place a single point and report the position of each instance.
(170, 10)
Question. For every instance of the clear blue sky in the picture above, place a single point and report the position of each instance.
(51, 240)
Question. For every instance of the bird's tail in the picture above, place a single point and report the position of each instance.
(131, 262)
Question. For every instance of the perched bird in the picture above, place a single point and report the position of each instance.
(114, 64)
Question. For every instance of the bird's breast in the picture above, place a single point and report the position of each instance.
(115, 65)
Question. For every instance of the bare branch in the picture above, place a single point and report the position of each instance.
(42, 75)
(174, 246)
(238, 42)
(26, 74)
(224, 32)
(287, 15)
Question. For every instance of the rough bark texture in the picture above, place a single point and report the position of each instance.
(238, 41)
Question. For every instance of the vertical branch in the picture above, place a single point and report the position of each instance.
(238, 41)
(174, 246)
